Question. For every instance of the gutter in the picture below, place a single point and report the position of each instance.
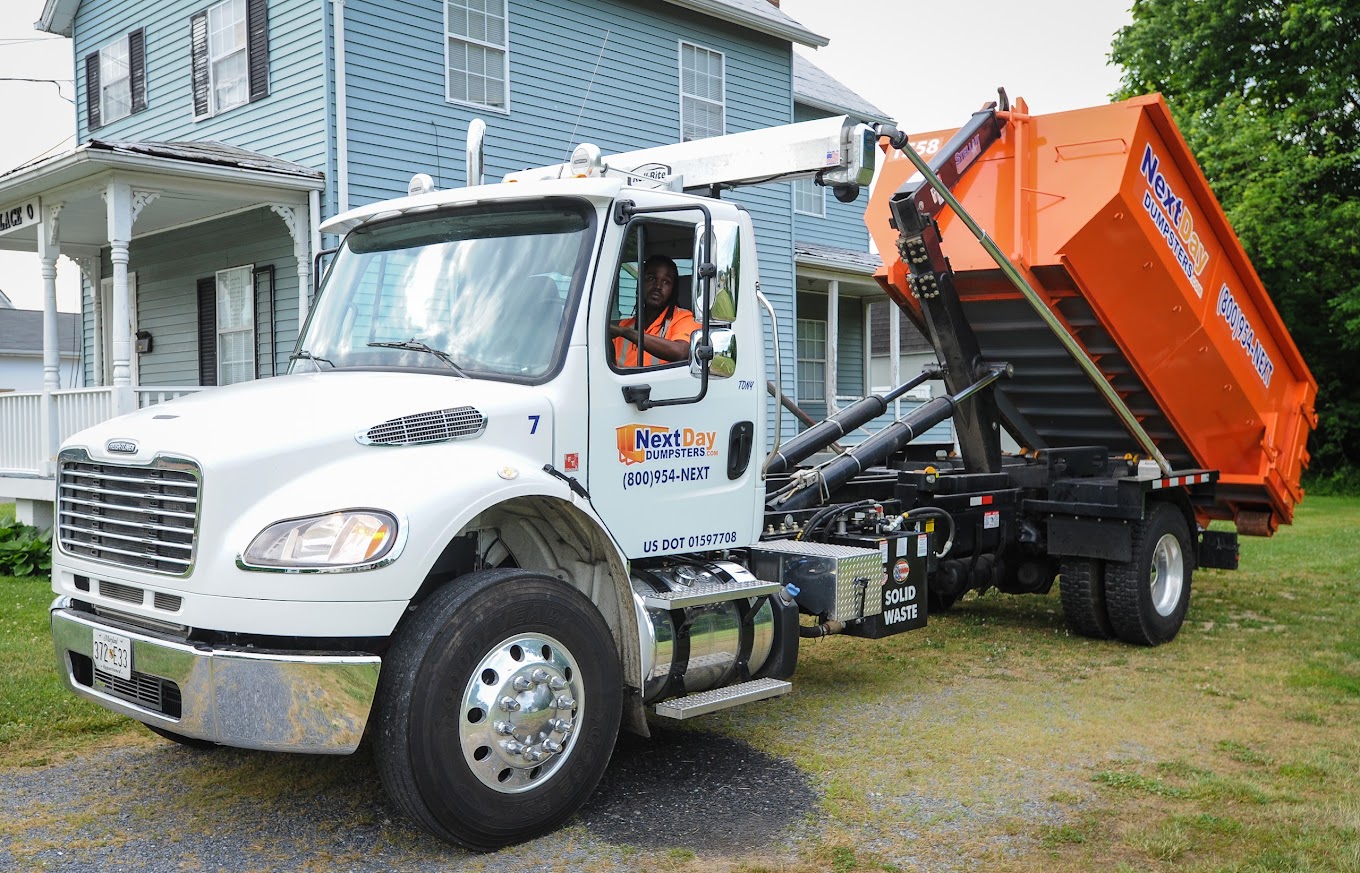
(341, 112)
(790, 30)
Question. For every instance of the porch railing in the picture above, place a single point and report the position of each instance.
(74, 409)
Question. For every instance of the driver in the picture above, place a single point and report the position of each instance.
(668, 325)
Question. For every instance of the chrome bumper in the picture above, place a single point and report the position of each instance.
(275, 701)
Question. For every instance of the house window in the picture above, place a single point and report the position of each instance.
(477, 61)
(227, 61)
(115, 80)
(809, 198)
(235, 326)
(701, 93)
(230, 44)
(811, 360)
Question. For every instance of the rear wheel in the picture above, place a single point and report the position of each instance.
(1148, 597)
(498, 708)
(1082, 588)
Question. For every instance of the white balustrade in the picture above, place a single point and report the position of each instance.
(21, 433)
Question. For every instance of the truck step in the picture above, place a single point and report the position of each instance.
(698, 595)
(722, 698)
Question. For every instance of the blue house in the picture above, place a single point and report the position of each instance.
(215, 135)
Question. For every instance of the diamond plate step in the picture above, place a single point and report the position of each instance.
(722, 698)
(698, 595)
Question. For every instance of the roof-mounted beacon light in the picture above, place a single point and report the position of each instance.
(421, 183)
(586, 161)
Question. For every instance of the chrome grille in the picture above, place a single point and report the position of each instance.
(441, 425)
(149, 692)
(139, 517)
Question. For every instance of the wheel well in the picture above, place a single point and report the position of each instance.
(551, 536)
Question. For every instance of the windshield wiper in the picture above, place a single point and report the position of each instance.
(305, 355)
(415, 345)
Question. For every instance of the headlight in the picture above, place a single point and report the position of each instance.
(350, 539)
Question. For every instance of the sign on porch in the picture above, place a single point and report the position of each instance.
(22, 215)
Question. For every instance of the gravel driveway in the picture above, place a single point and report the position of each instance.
(167, 808)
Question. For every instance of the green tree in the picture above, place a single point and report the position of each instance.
(1266, 93)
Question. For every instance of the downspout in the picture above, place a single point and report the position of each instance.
(341, 115)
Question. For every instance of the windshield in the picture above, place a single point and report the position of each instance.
(481, 293)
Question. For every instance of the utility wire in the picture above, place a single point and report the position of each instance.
(57, 82)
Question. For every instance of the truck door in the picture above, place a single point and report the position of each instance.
(682, 475)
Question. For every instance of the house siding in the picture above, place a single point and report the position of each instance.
(168, 266)
(290, 123)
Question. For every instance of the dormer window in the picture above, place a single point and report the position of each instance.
(115, 80)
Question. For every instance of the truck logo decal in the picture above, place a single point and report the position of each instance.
(1173, 221)
(122, 447)
(1245, 335)
(639, 443)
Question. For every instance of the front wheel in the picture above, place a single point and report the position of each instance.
(498, 708)
(1147, 598)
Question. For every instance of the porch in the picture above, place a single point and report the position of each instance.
(158, 215)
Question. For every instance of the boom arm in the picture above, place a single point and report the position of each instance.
(837, 152)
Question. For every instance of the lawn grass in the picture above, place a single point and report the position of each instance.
(992, 739)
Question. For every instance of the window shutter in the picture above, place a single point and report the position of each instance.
(92, 90)
(198, 39)
(207, 331)
(257, 47)
(137, 68)
(264, 318)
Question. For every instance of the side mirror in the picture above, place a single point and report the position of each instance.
(723, 342)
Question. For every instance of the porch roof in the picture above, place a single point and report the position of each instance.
(835, 259)
(185, 182)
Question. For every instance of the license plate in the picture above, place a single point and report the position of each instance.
(113, 654)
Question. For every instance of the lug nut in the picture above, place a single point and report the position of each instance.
(539, 676)
(514, 748)
(504, 728)
(564, 701)
(509, 704)
(522, 683)
(552, 746)
(534, 754)
(557, 683)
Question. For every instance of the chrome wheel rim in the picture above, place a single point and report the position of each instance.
(1167, 576)
(520, 711)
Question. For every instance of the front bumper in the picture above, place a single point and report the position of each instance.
(248, 698)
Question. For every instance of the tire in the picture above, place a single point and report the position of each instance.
(181, 739)
(1147, 598)
(1082, 589)
(939, 602)
(497, 708)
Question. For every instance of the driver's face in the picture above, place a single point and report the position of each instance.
(657, 286)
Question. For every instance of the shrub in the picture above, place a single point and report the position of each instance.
(24, 550)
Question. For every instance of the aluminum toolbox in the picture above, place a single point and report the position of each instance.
(842, 583)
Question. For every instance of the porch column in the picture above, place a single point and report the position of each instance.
(49, 248)
(296, 217)
(91, 270)
(118, 198)
(833, 327)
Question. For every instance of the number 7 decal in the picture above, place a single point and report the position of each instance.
(533, 427)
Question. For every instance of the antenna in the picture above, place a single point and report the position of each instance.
(571, 137)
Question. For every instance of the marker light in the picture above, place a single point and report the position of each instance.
(351, 539)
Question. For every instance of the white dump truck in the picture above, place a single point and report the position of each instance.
(462, 528)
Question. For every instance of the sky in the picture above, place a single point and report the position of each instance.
(927, 65)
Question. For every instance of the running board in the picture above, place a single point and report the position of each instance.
(698, 595)
(722, 698)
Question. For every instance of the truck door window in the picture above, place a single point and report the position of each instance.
(651, 305)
